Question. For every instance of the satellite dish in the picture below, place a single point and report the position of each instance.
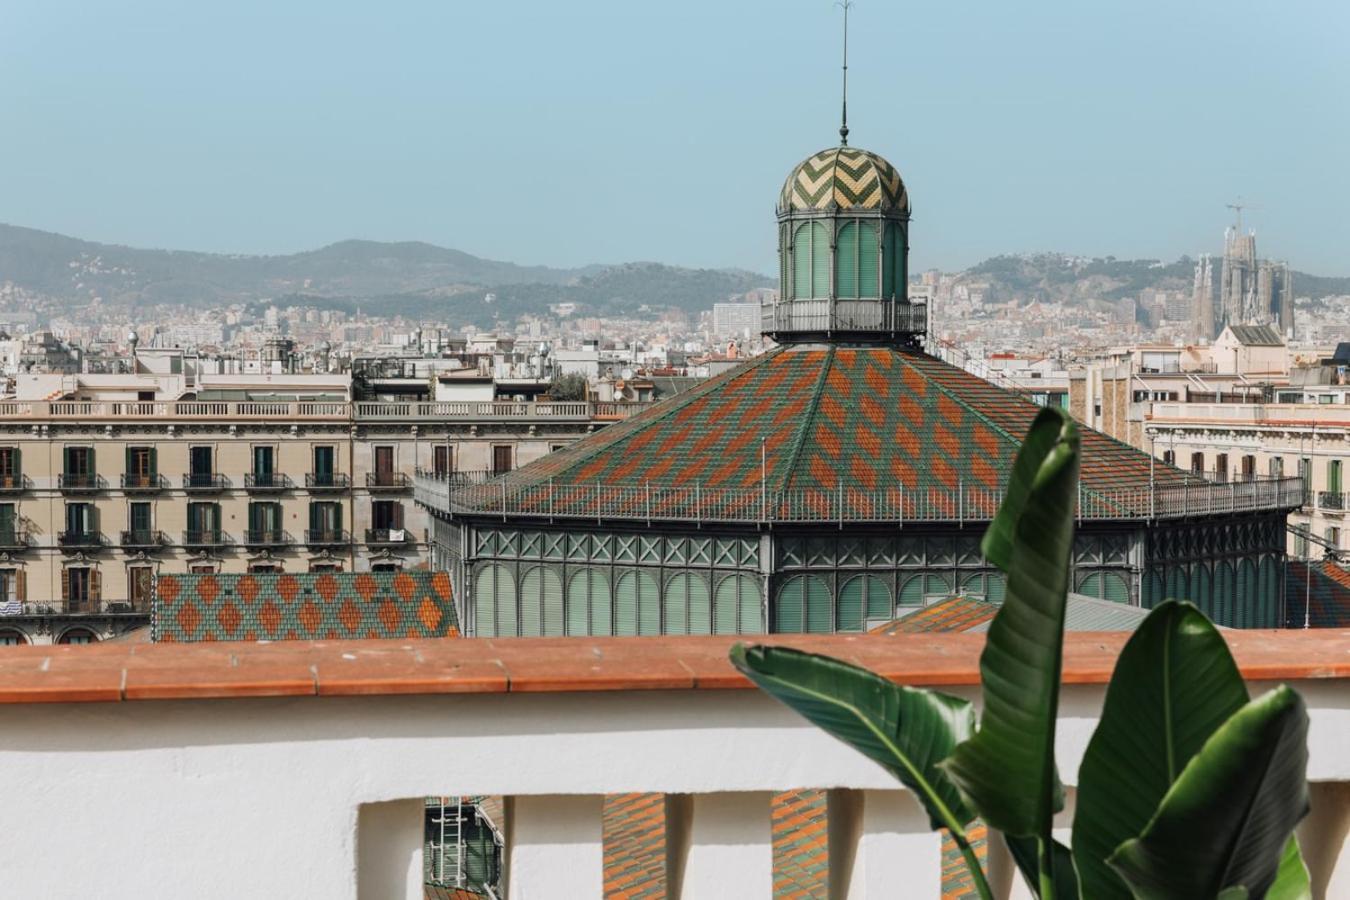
(626, 374)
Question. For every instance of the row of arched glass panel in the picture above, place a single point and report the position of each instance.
(1245, 594)
(864, 266)
(633, 604)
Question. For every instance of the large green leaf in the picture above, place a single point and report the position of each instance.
(906, 730)
(1007, 770)
(1001, 535)
(1024, 851)
(1227, 820)
(1175, 683)
(1293, 881)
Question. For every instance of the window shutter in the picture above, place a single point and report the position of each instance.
(154, 461)
(531, 603)
(65, 584)
(801, 262)
(578, 603)
(95, 586)
(849, 612)
(397, 515)
(315, 518)
(846, 262)
(130, 467)
(552, 596)
(677, 605)
(649, 604)
(820, 260)
(484, 598)
(788, 617)
(625, 604)
(21, 585)
(869, 254)
(507, 619)
(700, 606)
(819, 619)
(724, 610)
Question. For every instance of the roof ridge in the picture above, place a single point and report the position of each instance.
(674, 405)
(808, 416)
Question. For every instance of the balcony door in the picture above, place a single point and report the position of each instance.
(79, 518)
(325, 518)
(10, 469)
(203, 518)
(264, 518)
(141, 464)
(199, 462)
(324, 465)
(384, 464)
(9, 524)
(139, 519)
(79, 461)
(386, 515)
(442, 460)
(263, 464)
(501, 459)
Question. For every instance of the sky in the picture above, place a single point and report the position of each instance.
(600, 132)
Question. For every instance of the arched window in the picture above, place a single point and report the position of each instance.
(1223, 594)
(737, 609)
(78, 636)
(1202, 590)
(1105, 586)
(861, 598)
(1269, 608)
(810, 261)
(1246, 595)
(637, 604)
(893, 263)
(917, 588)
(990, 585)
(494, 602)
(12, 637)
(589, 603)
(541, 603)
(688, 605)
(855, 261)
(804, 606)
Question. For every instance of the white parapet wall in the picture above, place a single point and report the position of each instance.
(233, 796)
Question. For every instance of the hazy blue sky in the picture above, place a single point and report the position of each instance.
(597, 131)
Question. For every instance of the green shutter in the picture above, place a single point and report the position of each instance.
(1247, 594)
(551, 596)
(878, 601)
(788, 618)
(700, 605)
(625, 604)
(531, 604)
(784, 287)
(726, 606)
(578, 603)
(911, 592)
(1115, 588)
(887, 264)
(752, 614)
(1334, 476)
(868, 260)
(677, 605)
(649, 605)
(820, 260)
(849, 612)
(507, 625)
(601, 605)
(484, 601)
(128, 469)
(846, 262)
(801, 261)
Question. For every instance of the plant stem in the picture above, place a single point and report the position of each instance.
(1046, 868)
(972, 863)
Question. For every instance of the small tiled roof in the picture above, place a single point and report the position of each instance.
(975, 613)
(1318, 591)
(821, 417)
(1256, 335)
(844, 178)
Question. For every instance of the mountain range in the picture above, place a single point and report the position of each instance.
(422, 280)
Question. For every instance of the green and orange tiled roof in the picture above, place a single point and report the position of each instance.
(1318, 592)
(951, 614)
(303, 606)
(808, 420)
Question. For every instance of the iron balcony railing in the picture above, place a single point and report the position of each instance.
(13, 537)
(388, 481)
(81, 482)
(267, 481)
(207, 537)
(142, 483)
(266, 537)
(205, 482)
(824, 316)
(698, 503)
(386, 536)
(327, 481)
(1331, 501)
(15, 483)
(327, 537)
(80, 539)
(323, 410)
(142, 538)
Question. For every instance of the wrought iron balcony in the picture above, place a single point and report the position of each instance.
(81, 540)
(263, 482)
(1331, 501)
(210, 537)
(142, 539)
(15, 483)
(81, 482)
(13, 538)
(327, 537)
(266, 537)
(205, 482)
(388, 481)
(327, 481)
(143, 483)
(386, 537)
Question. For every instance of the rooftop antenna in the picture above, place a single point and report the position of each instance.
(843, 127)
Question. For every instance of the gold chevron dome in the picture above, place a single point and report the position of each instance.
(844, 178)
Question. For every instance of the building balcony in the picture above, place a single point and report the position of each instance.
(80, 540)
(211, 537)
(267, 537)
(13, 538)
(386, 537)
(81, 483)
(205, 482)
(143, 484)
(1331, 501)
(267, 482)
(551, 726)
(326, 538)
(17, 483)
(327, 481)
(388, 481)
(142, 539)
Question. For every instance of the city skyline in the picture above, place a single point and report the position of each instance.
(446, 135)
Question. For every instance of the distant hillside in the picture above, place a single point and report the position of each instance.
(409, 278)
(1054, 277)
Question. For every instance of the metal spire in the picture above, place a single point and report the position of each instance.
(843, 127)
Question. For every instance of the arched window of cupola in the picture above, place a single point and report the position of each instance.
(810, 261)
(855, 261)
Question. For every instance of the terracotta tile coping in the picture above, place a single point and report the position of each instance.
(113, 672)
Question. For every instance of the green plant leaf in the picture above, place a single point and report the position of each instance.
(1227, 820)
(1293, 881)
(1007, 770)
(1174, 685)
(907, 730)
(1001, 535)
(1023, 852)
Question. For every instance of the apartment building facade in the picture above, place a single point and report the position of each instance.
(98, 496)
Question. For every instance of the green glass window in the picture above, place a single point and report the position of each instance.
(846, 262)
(869, 259)
(494, 595)
(893, 263)
(804, 606)
(801, 261)
(688, 605)
(861, 598)
(919, 587)
(737, 606)
(637, 604)
(541, 603)
(820, 260)
(589, 604)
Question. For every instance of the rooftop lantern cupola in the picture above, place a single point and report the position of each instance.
(843, 247)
